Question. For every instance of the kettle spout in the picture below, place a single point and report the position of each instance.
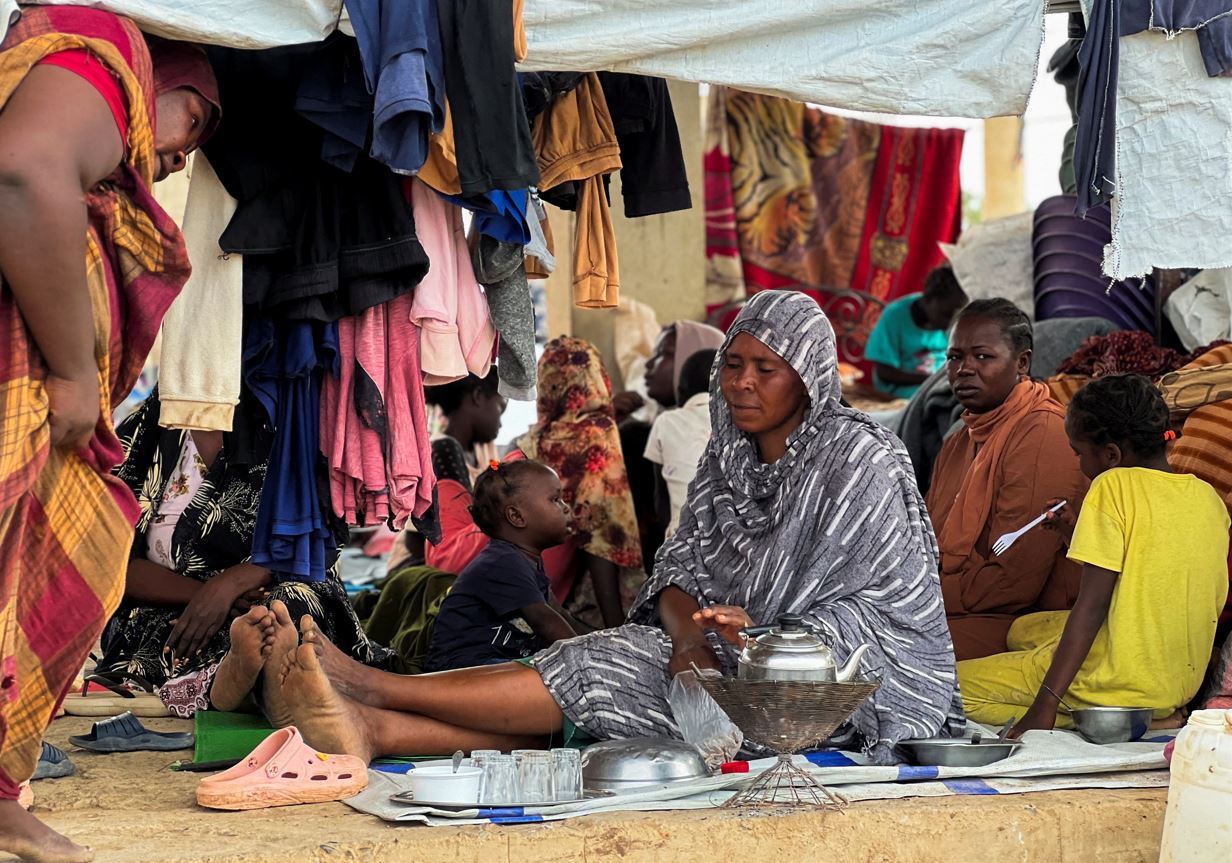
(852, 665)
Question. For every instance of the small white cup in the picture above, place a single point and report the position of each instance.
(437, 783)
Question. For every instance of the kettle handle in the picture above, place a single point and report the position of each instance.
(754, 631)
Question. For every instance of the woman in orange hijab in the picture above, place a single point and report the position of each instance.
(993, 476)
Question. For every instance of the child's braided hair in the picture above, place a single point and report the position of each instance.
(495, 488)
(1126, 410)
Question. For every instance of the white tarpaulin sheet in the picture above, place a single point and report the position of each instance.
(1173, 204)
(953, 58)
(1050, 761)
(950, 58)
(234, 23)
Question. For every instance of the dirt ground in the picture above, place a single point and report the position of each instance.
(131, 808)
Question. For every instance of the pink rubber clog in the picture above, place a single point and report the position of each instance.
(284, 771)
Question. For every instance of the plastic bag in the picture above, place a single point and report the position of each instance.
(702, 722)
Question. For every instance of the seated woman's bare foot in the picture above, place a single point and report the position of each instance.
(329, 722)
(344, 672)
(1176, 719)
(33, 841)
(252, 639)
(286, 640)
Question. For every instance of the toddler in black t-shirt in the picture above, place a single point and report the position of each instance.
(501, 607)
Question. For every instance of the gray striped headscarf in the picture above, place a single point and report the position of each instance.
(835, 530)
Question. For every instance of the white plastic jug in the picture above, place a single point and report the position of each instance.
(1198, 826)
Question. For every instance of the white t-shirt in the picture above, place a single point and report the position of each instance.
(677, 441)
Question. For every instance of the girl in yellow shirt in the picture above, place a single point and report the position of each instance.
(1154, 549)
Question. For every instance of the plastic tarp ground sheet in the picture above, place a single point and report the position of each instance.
(954, 58)
(248, 24)
(1173, 204)
(1049, 761)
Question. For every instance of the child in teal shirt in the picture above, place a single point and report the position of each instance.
(910, 339)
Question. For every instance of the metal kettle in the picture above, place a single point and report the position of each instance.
(789, 651)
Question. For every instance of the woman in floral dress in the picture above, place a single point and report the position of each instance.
(189, 576)
(598, 574)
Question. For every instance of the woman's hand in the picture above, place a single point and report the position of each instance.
(1062, 521)
(256, 579)
(686, 656)
(74, 404)
(245, 603)
(211, 606)
(1040, 716)
(727, 620)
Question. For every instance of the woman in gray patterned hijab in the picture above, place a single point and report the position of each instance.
(799, 506)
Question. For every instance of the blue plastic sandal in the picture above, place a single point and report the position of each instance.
(54, 763)
(125, 733)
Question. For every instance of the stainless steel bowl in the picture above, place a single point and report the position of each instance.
(1112, 724)
(621, 765)
(958, 752)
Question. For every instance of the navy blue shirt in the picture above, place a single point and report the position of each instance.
(480, 621)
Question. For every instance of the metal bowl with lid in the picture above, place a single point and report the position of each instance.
(640, 762)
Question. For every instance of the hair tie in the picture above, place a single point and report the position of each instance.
(1169, 435)
(494, 464)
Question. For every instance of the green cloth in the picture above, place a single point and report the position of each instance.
(224, 736)
(404, 614)
(898, 342)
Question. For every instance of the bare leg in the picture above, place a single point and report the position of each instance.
(503, 699)
(33, 841)
(252, 640)
(333, 723)
(286, 640)
(346, 674)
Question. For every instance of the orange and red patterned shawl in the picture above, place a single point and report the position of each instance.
(66, 524)
(136, 262)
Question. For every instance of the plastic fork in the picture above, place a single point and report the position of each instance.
(1002, 545)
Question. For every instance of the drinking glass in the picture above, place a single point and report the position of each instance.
(566, 775)
(499, 781)
(535, 775)
(478, 756)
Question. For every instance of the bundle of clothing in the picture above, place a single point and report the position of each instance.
(330, 255)
(328, 215)
(1127, 352)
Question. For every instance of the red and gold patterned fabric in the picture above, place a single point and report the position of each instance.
(849, 212)
(577, 437)
(65, 523)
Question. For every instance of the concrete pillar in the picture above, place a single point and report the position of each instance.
(1004, 193)
(662, 258)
